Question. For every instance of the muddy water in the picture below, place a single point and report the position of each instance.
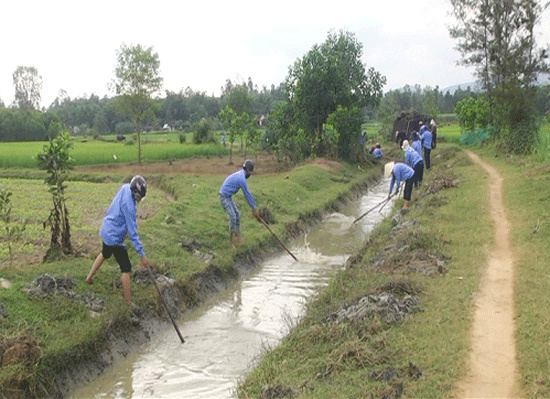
(225, 337)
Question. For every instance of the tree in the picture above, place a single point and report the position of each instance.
(13, 232)
(28, 87)
(466, 112)
(347, 122)
(236, 125)
(497, 37)
(137, 79)
(329, 75)
(57, 161)
(429, 106)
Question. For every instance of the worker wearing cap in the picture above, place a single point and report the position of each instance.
(402, 172)
(119, 221)
(230, 186)
(426, 138)
(414, 160)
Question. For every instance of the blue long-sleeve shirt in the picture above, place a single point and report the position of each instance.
(121, 219)
(417, 146)
(233, 183)
(412, 157)
(400, 172)
(426, 138)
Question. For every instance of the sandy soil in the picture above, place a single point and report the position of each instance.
(492, 365)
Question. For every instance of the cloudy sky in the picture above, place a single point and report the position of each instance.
(200, 45)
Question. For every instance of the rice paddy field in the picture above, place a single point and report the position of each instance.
(155, 147)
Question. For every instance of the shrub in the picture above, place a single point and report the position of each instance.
(203, 132)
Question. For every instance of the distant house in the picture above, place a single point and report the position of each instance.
(167, 127)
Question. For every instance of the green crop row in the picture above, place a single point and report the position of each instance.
(23, 154)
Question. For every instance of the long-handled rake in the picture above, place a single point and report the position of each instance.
(278, 239)
(165, 305)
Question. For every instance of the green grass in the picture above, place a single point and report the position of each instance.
(435, 339)
(23, 154)
(542, 150)
(450, 133)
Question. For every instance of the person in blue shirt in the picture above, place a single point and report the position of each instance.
(121, 220)
(414, 160)
(402, 172)
(426, 137)
(433, 129)
(377, 152)
(230, 186)
(417, 144)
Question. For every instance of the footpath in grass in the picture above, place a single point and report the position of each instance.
(51, 322)
(428, 266)
(526, 198)
(395, 322)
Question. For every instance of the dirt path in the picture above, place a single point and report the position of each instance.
(492, 365)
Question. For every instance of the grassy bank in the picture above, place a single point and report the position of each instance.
(59, 332)
(426, 354)
(373, 359)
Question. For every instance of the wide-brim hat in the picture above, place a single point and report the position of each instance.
(388, 168)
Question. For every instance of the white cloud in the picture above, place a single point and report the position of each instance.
(202, 44)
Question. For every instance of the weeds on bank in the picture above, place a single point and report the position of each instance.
(425, 355)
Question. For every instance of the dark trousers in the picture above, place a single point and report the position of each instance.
(427, 152)
(408, 189)
(418, 173)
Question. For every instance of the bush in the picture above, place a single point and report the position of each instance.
(203, 132)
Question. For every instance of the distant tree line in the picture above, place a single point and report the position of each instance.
(178, 110)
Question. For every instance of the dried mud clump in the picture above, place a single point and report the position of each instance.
(277, 392)
(440, 181)
(388, 306)
(46, 286)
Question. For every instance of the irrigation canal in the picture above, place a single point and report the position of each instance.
(225, 337)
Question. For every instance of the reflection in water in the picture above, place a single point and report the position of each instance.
(223, 339)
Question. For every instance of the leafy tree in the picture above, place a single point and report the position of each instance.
(13, 232)
(28, 87)
(238, 99)
(466, 113)
(252, 135)
(347, 122)
(57, 161)
(483, 113)
(137, 79)
(329, 75)
(236, 125)
(228, 116)
(429, 106)
(203, 131)
(32, 125)
(497, 37)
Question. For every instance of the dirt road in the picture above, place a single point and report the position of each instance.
(492, 365)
